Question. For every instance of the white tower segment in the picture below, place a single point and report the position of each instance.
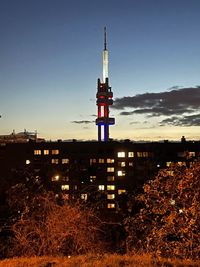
(105, 58)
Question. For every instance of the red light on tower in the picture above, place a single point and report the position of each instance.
(104, 99)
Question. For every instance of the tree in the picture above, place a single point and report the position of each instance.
(46, 228)
(168, 222)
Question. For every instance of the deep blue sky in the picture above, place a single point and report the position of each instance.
(51, 56)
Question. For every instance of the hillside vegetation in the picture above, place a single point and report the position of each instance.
(106, 260)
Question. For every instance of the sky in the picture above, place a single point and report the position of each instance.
(51, 57)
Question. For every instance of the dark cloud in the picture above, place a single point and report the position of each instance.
(190, 120)
(125, 113)
(82, 122)
(134, 122)
(174, 102)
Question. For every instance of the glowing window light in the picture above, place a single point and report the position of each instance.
(37, 152)
(55, 152)
(168, 163)
(110, 160)
(65, 161)
(143, 154)
(121, 191)
(131, 154)
(110, 196)
(111, 205)
(84, 196)
(101, 160)
(54, 161)
(110, 169)
(55, 178)
(121, 173)
(46, 152)
(92, 161)
(65, 187)
(101, 187)
(122, 164)
(110, 187)
(121, 154)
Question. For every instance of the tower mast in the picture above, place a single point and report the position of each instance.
(105, 58)
(104, 99)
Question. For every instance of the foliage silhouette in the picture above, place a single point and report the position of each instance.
(168, 222)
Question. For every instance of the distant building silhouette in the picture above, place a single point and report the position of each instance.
(21, 137)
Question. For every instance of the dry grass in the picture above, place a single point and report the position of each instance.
(106, 260)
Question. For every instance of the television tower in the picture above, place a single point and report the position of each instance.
(104, 99)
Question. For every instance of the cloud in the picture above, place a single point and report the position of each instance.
(82, 122)
(169, 103)
(190, 120)
(134, 122)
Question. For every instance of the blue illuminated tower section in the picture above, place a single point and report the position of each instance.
(104, 99)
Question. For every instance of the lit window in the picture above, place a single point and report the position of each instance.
(121, 154)
(142, 154)
(46, 152)
(65, 187)
(110, 169)
(122, 164)
(121, 191)
(191, 154)
(37, 152)
(111, 205)
(55, 152)
(181, 163)
(110, 178)
(168, 164)
(55, 178)
(84, 196)
(92, 178)
(76, 187)
(28, 162)
(110, 196)
(54, 161)
(92, 161)
(110, 160)
(121, 173)
(65, 161)
(130, 164)
(101, 160)
(131, 154)
(101, 187)
(110, 187)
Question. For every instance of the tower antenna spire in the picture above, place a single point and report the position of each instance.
(105, 57)
(105, 41)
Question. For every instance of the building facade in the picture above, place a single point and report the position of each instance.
(109, 170)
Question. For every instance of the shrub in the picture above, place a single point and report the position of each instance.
(46, 228)
(168, 222)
